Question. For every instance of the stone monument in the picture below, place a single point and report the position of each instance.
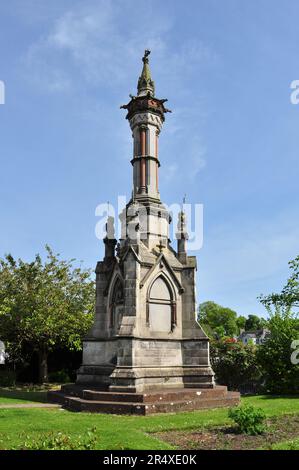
(145, 352)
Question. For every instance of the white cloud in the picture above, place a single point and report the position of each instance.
(98, 42)
(89, 43)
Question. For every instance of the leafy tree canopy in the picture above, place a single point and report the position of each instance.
(288, 298)
(241, 321)
(253, 322)
(221, 319)
(275, 355)
(44, 304)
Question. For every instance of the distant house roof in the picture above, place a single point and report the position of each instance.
(258, 335)
(255, 333)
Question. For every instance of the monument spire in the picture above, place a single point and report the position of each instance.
(146, 114)
(146, 85)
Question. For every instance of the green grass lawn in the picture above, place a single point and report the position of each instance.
(123, 432)
(289, 445)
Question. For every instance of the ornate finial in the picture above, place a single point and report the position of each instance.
(181, 222)
(110, 230)
(146, 85)
(145, 57)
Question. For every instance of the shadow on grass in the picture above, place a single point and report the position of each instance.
(271, 397)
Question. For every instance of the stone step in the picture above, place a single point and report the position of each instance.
(153, 397)
(56, 396)
(119, 397)
(77, 390)
(113, 407)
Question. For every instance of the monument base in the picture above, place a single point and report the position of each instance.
(138, 365)
(97, 400)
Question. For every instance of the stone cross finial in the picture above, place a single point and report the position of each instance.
(160, 246)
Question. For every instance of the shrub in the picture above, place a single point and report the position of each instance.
(280, 374)
(60, 376)
(249, 419)
(60, 441)
(235, 364)
(7, 378)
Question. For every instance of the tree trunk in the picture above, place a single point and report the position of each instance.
(43, 366)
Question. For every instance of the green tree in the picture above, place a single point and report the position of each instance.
(222, 320)
(274, 355)
(43, 306)
(288, 298)
(281, 373)
(241, 321)
(253, 322)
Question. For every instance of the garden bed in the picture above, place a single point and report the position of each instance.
(280, 428)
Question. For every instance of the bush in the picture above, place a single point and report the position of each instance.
(60, 376)
(280, 374)
(60, 441)
(249, 419)
(7, 378)
(235, 364)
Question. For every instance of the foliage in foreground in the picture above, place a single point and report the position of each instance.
(61, 441)
(250, 419)
(288, 445)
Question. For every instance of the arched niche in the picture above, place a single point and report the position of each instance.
(116, 304)
(161, 306)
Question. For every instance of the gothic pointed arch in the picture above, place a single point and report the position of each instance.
(161, 305)
(116, 302)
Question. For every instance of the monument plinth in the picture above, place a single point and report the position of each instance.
(145, 346)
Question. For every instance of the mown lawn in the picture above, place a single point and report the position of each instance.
(123, 432)
(289, 445)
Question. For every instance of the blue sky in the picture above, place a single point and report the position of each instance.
(231, 142)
